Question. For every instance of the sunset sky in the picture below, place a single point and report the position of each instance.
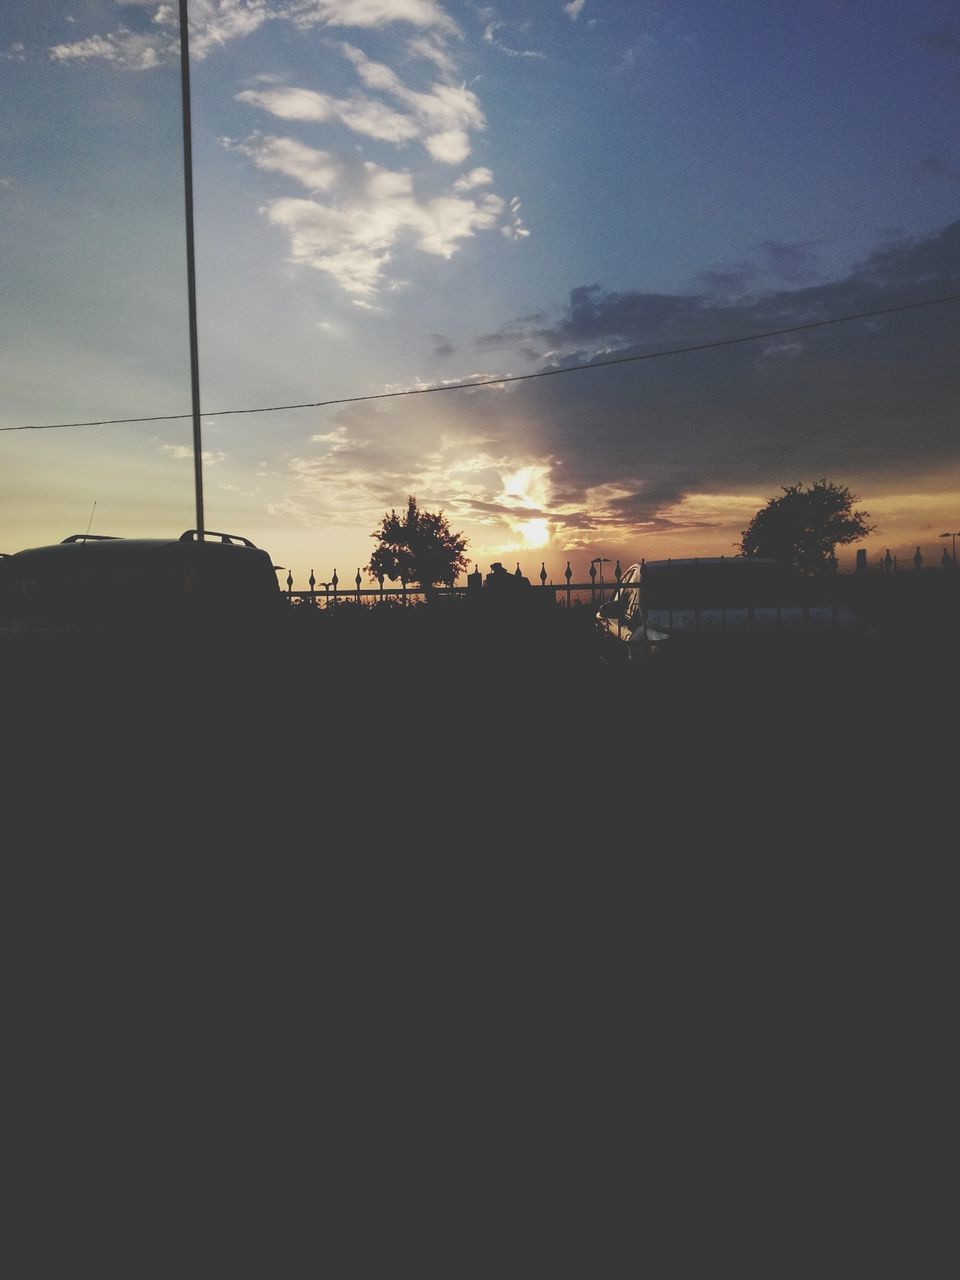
(393, 194)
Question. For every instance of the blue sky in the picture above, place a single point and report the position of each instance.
(395, 193)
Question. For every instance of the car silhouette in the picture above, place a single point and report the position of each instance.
(671, 605)
(96, 584)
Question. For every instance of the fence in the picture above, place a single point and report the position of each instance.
(596, 590)
(325, 595)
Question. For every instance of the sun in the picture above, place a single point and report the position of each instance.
(535, 533)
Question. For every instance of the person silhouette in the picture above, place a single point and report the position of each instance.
(498, 579)
(505, 588)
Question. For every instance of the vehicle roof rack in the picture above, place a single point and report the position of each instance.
(92, 537)
(191, 536)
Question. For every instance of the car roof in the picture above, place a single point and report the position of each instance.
(108, 547)
(702, 562)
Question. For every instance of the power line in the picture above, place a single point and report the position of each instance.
(517, 377)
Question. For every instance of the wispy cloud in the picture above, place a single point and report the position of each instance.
(434, 51)
(313, 169)
(215, 23)
(475, 178)
(491, 37)
(184, 453)
(574, 8)
(514, 229)
(372, 13)
(121, 48)
(446, 114)
(441, 118)
(361, 114)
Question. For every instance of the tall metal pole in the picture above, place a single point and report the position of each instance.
(191, 263)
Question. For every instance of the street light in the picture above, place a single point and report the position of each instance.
(601, 561)
(954, 536)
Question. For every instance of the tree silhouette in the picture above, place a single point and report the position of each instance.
(418, 547)
(804, 527)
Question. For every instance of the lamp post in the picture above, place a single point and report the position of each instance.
(600, 561)
(954, 536)
(191, 264)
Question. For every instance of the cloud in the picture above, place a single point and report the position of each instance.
(514, 229)
(475, 178)
(364, 466)
(372, 13)
(490, 36)
(446, 114)
(450, 147)
(731, 280)
(441, 118)
(315, 170)
(361, 114)
(369, 211)
(213, 23)
(433, 51)
(796, 263)
(121, 48)
(184, 453)
(574, 8)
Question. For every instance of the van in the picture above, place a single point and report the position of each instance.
(706, 602)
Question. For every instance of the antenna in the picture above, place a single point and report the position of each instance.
(91, 520)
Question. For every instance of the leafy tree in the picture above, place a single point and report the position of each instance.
(804, 527)
(417, 547)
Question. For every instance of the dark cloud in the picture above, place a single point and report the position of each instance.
(442, 346)
(793, 263)
(869, 402)
(730, 281)
(513, 335)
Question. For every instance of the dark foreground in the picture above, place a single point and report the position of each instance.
(440, 936)
(451, 713)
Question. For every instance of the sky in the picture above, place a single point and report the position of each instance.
(397, 194)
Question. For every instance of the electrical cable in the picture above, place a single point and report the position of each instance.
(518, 377)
